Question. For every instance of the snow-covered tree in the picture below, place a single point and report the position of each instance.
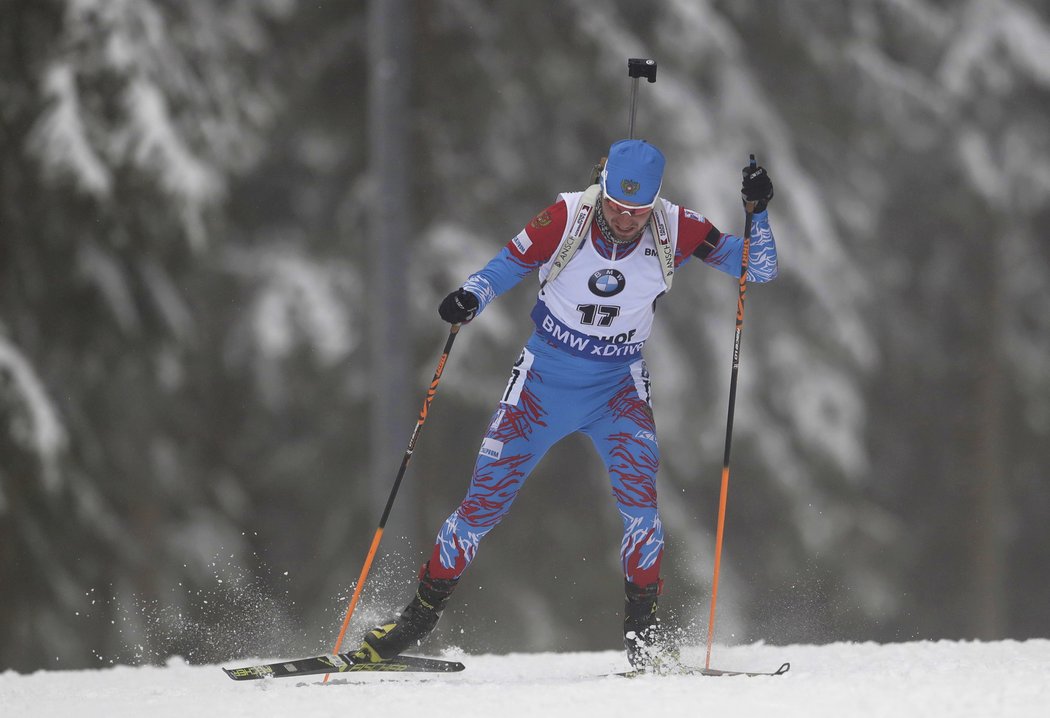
(124, 122)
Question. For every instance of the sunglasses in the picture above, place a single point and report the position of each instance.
(630, 209)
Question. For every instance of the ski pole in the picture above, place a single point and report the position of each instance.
(636, 69)
(729, 425)
(393, 491)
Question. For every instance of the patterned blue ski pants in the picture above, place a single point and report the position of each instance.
(550, 395)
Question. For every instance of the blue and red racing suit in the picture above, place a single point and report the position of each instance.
(582, 371)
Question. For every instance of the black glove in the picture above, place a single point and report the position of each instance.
(757, 188)
(459, 307)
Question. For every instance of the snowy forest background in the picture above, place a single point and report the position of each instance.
(225, 228)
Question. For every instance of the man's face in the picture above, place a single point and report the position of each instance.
(625, 219)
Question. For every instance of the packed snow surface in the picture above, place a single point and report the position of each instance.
(929, 679)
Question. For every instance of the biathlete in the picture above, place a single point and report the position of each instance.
(603, 257)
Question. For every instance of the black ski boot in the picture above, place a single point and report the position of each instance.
(413, 625)
(641, 629)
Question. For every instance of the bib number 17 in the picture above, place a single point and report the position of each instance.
(600, 314)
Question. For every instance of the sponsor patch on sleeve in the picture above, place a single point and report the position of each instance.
(693, 214)
(522, 241)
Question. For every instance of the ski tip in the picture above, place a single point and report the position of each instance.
(696, 671)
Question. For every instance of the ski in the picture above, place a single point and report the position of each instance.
(691, 671)
(342, 663)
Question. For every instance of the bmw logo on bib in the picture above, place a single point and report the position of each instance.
(607, 282)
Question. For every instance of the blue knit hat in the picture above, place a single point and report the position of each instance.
(633, 173)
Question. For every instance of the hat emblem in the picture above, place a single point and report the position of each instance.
(630, 187)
